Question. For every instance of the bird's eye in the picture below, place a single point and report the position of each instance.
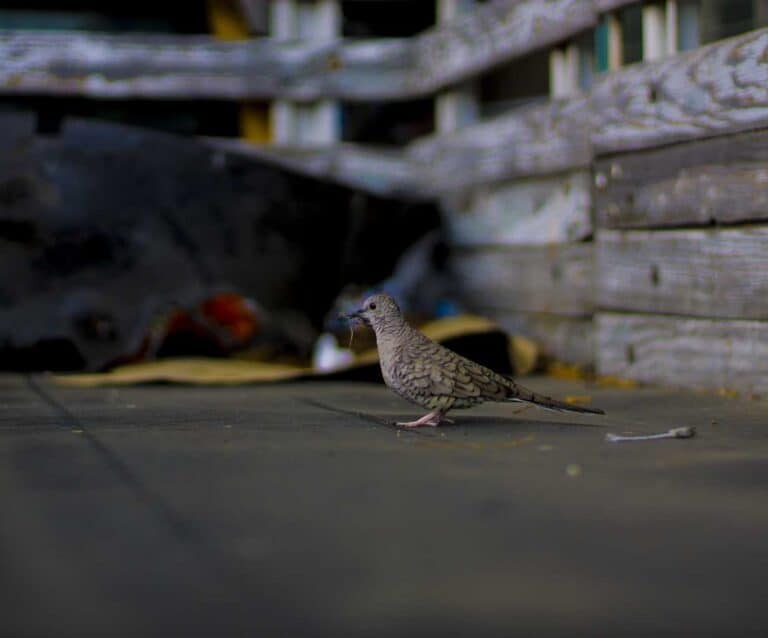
(372, 306)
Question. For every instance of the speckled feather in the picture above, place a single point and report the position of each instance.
(434, 377)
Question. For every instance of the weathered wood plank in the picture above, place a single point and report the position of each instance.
(705, 273)
(493, 33)
(568, 339)
(694, 353)
(164, 66)
(716, 89)
(554, 279)
(538, 139)
(378, 171)
(723, 179)
(536, 211)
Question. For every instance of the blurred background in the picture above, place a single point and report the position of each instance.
(223, 178)
(191, 192)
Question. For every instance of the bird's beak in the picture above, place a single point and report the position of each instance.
(352, 315)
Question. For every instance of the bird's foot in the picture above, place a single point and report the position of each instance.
(433, 419)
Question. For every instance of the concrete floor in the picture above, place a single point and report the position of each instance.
(258, 511)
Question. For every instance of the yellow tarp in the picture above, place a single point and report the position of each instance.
(202, 371)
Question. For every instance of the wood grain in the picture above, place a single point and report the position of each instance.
(538, 139)
(704, 273)
(555, 279)
(493, 33)
(568, 339)
(535, 211)
(165, 66)
(692, 353)
(724, 180)
(379, 171)
(720, 88)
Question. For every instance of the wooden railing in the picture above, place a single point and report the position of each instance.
(188, 67)
(557, 210)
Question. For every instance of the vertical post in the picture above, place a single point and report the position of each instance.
(688, 25)
(670, 28)
(458, 107)
(283, 20)
(609, 47)
(556, 64)
(320, 121)
(654, 32)
(564, 70)
(228, 21)
(283, 27)
(305, 123)
(586, 61)
(256, 14)
(760, 13)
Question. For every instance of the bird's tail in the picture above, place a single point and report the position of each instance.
(519, 393)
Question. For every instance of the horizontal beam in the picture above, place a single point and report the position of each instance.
(727, 93)
(165, 66)
(710, 91)
(534, 211)
(716, 89)
(184, 67)
(706, 273)
(553, 279)
(539, 139)
(568, 339)
(681, 352)
(721, 180)
(377, 171)
(494, 33)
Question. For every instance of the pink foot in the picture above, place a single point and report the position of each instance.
(433, 419)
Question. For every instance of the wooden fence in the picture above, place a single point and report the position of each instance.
(623, 224)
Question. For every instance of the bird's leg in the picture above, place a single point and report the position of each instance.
(434, 418)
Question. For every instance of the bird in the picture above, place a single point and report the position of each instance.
(430, 375)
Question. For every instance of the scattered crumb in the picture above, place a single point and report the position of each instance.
(616, 382)
(571, 372)
(573, 470)
(561, 370)
(545, 448)
(578, 399)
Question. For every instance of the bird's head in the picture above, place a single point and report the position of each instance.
(378, 311)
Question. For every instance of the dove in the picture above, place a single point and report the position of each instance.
(430, 375)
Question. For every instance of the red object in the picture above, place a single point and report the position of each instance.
(234, 313)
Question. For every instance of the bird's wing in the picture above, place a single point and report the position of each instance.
(436, 377)
(439, 371)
